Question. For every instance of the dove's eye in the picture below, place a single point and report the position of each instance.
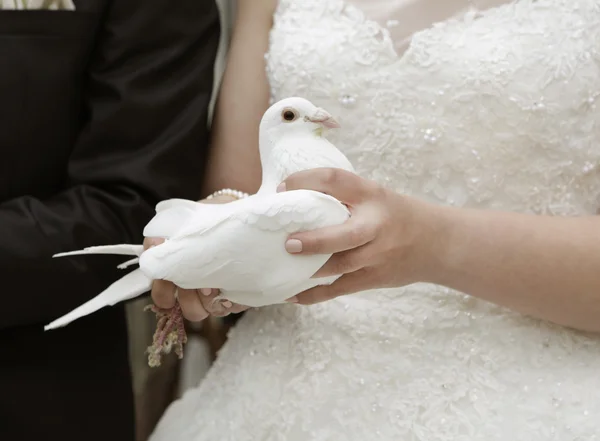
(288, 115)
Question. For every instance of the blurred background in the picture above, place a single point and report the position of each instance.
(155, 388)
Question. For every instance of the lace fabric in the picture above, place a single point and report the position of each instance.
(495, 109)
(403, 18)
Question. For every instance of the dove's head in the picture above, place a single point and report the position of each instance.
(290, 141)
(296, 115)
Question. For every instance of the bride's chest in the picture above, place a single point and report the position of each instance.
(500, 110)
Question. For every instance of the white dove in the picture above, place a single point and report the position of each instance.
(239, 247)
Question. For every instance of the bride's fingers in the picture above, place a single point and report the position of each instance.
(216, 308)
(352, 234)
(150, 242)
(343, 185)
(345, 262)
(227, 307)
(347, 284)
(191, 306)
(237, 308)
(163, 294)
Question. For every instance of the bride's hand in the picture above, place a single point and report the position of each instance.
(387, 242)
(196, 304)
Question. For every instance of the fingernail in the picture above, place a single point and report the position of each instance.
(281, 187)
(292, 299)
(293, 246)
(206, 291)
(227, 304)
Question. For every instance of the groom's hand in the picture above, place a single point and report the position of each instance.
(196, 304)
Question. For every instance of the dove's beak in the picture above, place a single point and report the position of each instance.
(324, 118)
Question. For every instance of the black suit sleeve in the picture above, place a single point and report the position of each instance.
(144, 140)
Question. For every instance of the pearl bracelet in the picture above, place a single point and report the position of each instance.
(229, 192)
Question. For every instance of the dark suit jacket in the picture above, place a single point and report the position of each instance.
(103, 112)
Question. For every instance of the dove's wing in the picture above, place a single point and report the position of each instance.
(128, 287)
(171, 203)
(243, 249)
(177, 217)
(170, 218)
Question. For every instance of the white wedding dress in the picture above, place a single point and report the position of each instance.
(495, 110)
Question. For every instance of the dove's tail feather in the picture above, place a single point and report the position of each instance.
(127, 287)
(123, 249)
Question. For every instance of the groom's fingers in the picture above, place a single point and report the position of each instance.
(343, 185)
(163, 294)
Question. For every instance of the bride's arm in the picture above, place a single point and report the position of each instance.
(243, 98)
(547, 267)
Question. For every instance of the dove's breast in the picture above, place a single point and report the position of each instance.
(245, 251)
(296, 153)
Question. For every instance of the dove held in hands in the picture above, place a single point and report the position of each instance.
(239, 247)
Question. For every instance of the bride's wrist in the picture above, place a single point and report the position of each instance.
(449, 236)
(436, 227)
